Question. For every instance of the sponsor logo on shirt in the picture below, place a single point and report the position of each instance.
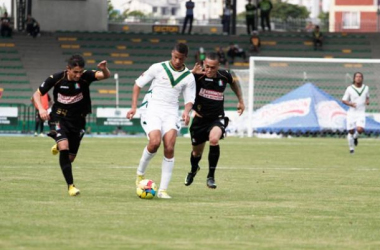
(64, 99)
(77, 86)
(208, 79)
(211, 94)
(220, 83)
(64, 87)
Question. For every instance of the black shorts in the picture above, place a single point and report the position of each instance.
(200, 129)
(71, 129)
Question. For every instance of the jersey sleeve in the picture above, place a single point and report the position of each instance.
(189, 91)
(230, 79)
(367, 96)
(346, 96)
(147, 76)
(89, 76)
(47, 84)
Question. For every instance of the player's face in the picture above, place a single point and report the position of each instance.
(210, 67)
(178, 60)
(73, 74)
(358, 78)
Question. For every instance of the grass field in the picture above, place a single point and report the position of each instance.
(299, 193)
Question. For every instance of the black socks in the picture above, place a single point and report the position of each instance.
(194, 163)
(64, 161)
(213, 157)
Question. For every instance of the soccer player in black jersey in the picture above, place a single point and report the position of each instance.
(209, 122)
(72, 103)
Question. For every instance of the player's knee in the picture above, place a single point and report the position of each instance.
(214, 140)
(153, 145)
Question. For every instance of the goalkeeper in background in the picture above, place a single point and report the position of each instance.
(209, 122)
(356, 97)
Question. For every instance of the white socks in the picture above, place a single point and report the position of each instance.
(144, 161)
(166, 172)
(350, 139)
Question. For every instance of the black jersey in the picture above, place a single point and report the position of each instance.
(72, 97)
(209, 101)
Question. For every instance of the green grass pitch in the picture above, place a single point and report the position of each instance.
(299, 193)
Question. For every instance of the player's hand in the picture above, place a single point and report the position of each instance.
(44, 114)
(240, 108)
(186, 118)
(102, 65)
(198, 69)
(353, 104)
(131, 113)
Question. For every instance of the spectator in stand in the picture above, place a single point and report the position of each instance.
(236, 51)
(200, 56)
(317, 38)
(250, 16)
(226, 19)
(6, 29)
(32, 26)
(265, 7)
(222, 57)
(255, 42)
(189, 16)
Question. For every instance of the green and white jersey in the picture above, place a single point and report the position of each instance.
(358, 96)
(167, 85)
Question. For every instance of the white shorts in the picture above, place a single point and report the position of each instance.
(355, 120)
(158, 120)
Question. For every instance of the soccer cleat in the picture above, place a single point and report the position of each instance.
(73, 191)
(190, 177)
(211, 182)
(356, 141)
(54, 149)
(163, 194)
(352, 151)
(139, 178)
(35, 134)
(42, 135)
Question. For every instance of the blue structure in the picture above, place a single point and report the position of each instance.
(306, 110)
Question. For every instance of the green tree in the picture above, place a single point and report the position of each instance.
(284, 11)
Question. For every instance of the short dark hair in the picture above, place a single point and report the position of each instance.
(353, 80)
(212, 56)
(76, 60)
(181, 48)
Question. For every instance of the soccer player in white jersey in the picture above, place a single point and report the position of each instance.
(169, 79)
(356, 97)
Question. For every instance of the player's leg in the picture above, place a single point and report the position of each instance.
(360, 125)
(74, 143)
(169, 140)
(351, 130)
(148, 153)
(199, 135)
(216, 134)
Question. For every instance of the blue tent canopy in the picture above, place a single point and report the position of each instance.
(306, 109)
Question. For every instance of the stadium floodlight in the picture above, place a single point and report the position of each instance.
(268, 78)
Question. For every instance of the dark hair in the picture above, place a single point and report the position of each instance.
(353, 80)
(181, 48)
(212, 56)
(76, 60)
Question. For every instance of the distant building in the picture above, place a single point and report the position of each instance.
(354, 16)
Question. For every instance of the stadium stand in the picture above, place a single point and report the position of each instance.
(26, 62)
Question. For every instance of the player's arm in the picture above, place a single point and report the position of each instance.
(189, 98)
(104, 72)
(146, 77)
(346, 100)
(237, 90)
(135, 97)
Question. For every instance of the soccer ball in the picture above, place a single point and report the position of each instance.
(146, 189)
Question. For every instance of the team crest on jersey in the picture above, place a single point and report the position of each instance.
(77, 86)
(220, 83)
